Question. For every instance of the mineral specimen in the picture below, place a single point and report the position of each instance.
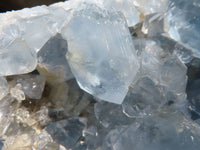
(101, 75)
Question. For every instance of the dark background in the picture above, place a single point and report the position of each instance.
(6, 5)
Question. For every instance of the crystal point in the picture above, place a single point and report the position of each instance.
(104, 63)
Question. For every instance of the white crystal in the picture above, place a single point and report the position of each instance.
(104, 63)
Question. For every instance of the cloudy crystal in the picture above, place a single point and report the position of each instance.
(104, 63)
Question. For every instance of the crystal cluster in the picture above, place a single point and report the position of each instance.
(101, 74)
